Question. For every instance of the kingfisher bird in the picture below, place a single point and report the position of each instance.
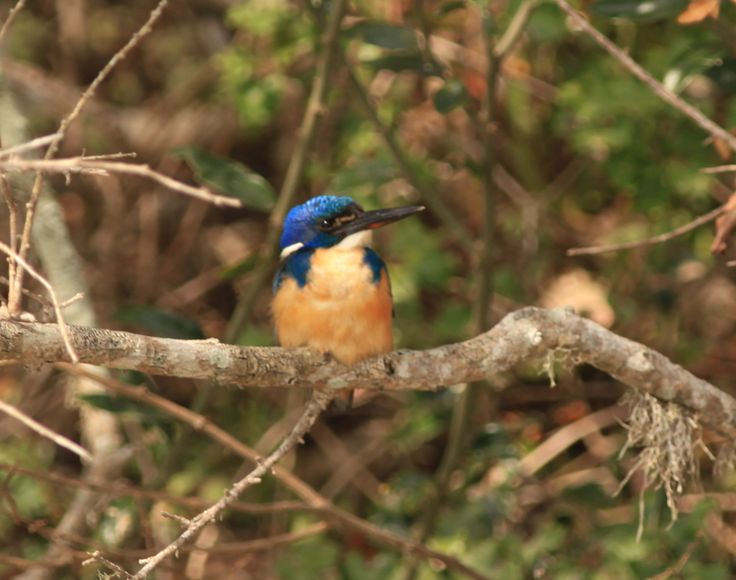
(332, 291)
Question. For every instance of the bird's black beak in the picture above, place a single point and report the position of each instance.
(371, 220)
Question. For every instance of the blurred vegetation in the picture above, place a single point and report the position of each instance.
(585, 155)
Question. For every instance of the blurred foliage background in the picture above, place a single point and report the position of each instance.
(583, 154)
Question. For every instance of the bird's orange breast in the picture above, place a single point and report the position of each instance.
(340, 309)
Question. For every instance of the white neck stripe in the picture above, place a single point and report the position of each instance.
(288, 250)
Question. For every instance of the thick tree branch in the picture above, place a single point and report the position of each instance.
(523, 335)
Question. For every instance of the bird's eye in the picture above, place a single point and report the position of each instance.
(326, 223)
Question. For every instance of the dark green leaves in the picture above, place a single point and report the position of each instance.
(414, 62)
(229, 177)
(402, 46)
(723, 73)
(452, 95)
(160, 322)
(385, 35)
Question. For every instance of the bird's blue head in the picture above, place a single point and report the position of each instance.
(326, 220)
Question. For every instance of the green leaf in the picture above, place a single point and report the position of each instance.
(687, 64)
(723, 73)
(591, 495)
(229, 177)
(639, 10)
(160, 322)
(406, 62)
(452, 95)
(385, 35)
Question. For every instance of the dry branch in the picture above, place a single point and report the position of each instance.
(636, 70)
(658, 239)
(55, 301)
(44, 431)
(35, 196)
(338, 518)
(103, 167)
(36, 143)
(11, 16)
(527, 334)
(312, 411)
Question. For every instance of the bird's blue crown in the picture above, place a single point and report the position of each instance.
(303, 222)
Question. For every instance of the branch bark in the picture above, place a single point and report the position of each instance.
(525, 335)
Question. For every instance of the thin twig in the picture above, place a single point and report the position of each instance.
(513, 31)
(658, 239)
(99, 558)
(182, 521)
(57, 307)
(36, 143)
(44, 302)
(428, 192)
(635, 69)
(11, 16)
(317, 502)
(316, 107)
(13, 229)
(44, 431)
(110, 156)
(719, 169)
(69, 301)
(313, 410)
(102, 167)
(677, 567)
(25, 242)
(496, 51)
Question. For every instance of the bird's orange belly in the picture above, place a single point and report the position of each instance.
(351, 320)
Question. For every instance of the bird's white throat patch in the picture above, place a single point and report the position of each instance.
(356, 240)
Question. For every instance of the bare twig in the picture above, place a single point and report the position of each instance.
(313, 410)
(102, 167)
(25, 242)
(36, 143)
(566, 436)
(11, 16)
(98, 558)
(339, 517)
(57, 307)
(635, 69)
(719, 169)
(658, 239)
(13, 230)
(44, 431)
(496, 51)
(429, 193)
(677, 567)
(110, 156)
(513, 31)
(316, 107)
